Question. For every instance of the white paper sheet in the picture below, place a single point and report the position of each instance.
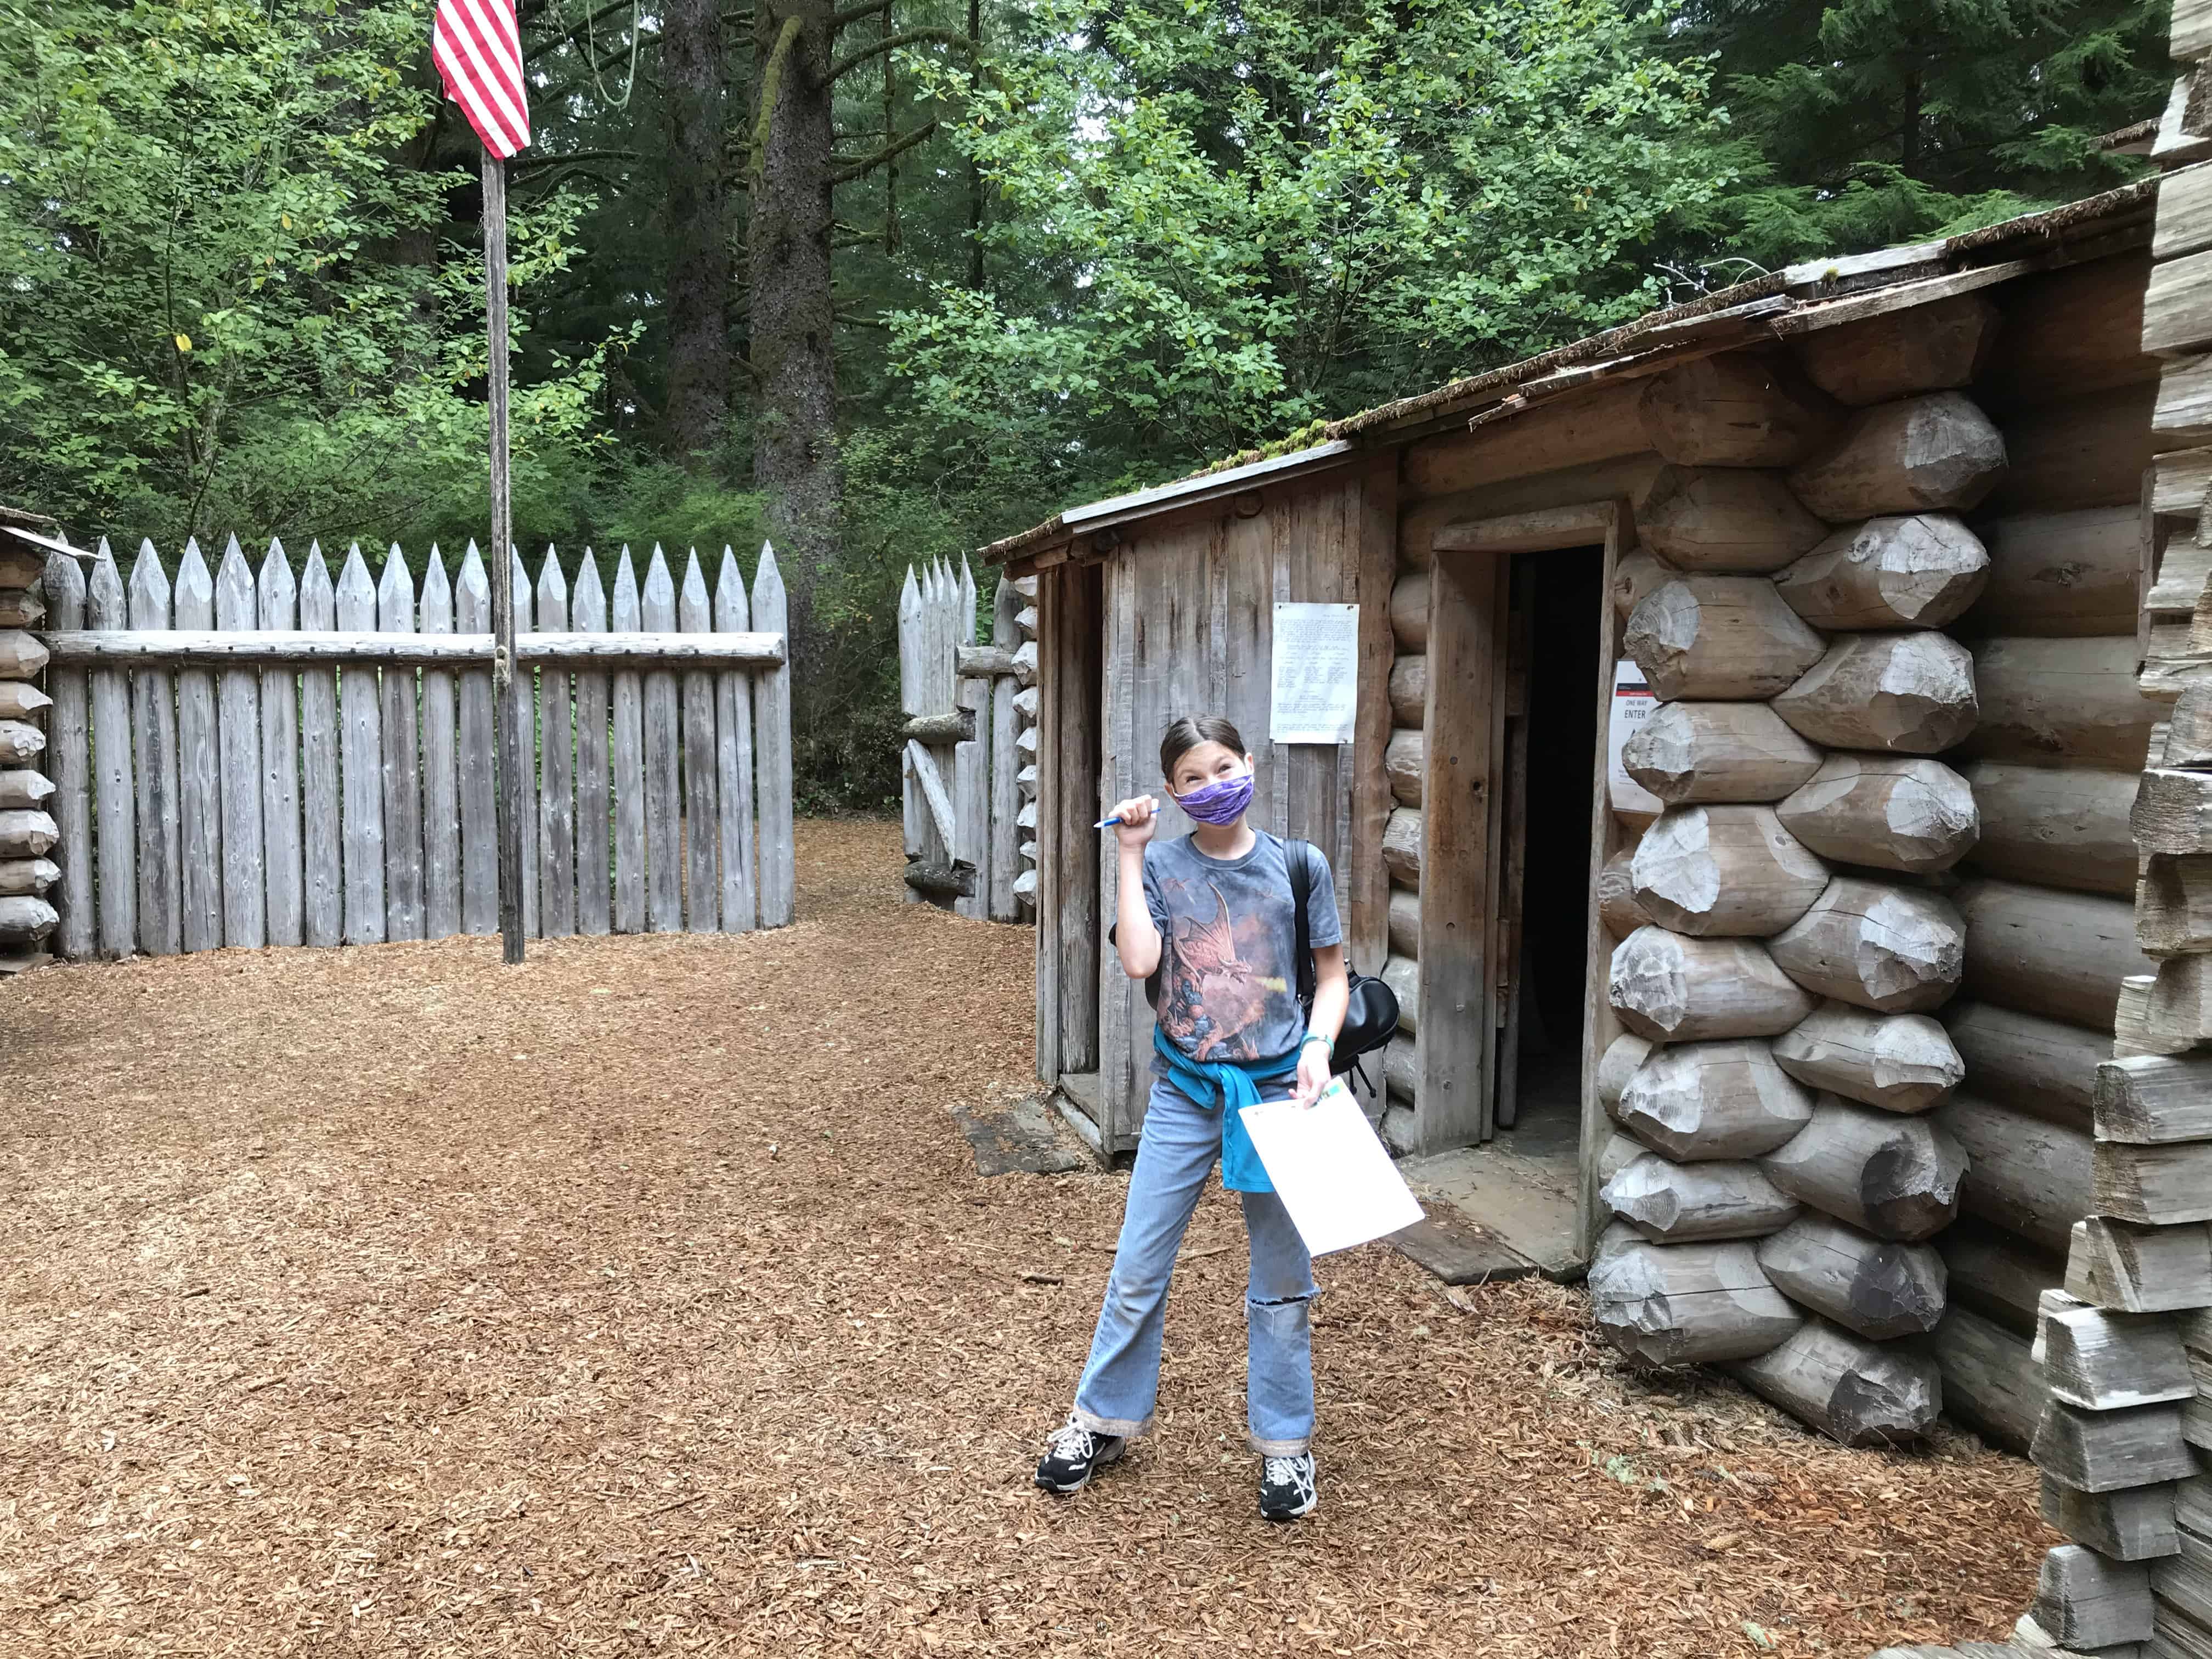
(1331, 1172)
(1316, 678)
(1633, 705)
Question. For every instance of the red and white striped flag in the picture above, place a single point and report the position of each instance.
(477, 47)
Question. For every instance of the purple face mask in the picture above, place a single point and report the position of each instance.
(1223, 801)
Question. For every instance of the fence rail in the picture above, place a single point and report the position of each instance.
(83, 645)
(286, 759)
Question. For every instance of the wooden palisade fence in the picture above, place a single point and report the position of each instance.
(285, 759)
(969, 766)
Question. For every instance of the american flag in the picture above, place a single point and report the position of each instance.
(477, 47)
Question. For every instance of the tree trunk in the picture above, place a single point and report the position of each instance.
(787, 244)
(692, 67)
(975, 172)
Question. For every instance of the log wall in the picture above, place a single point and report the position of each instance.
(2048, 884)
(44, 831)
(1791, 935)
(1870, 953)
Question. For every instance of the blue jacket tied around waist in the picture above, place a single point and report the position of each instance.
(1224, 1085)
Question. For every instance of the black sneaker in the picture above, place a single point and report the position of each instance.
(1287, 1487)
(1073, 1454)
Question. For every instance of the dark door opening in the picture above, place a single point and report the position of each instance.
(1550, 756)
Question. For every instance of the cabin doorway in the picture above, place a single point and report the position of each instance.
(1516, 828)
(1552, 747)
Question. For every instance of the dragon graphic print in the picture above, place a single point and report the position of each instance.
(1229, 939)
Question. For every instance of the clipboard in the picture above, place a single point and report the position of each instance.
(1332, 1173)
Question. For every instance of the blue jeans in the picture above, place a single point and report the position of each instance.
(1181, 1142)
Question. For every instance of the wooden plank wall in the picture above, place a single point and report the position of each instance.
(303, 803)
(1188, 627)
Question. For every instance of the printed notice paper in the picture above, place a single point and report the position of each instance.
(1633, 705)
(1317, 673)
(1330, 1171)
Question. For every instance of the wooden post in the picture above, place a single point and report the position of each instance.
(629, 763)
(506, 694)
(587, 614)
(664, 874)
(361, 747)
(441, 798)
(278, 595)
(733, 756)
(772, 749)
(153, 712)
(403, 760)
(556, 799)
(112, 800)
(1467, 594)
(200, 876)
(321, 832)
(526, 733)
(702, 870)
(479, 759)
(69, 760)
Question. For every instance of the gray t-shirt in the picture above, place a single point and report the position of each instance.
(1228, 986)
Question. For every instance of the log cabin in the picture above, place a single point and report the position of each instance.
(1738, 801)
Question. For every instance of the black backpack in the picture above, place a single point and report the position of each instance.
(1371, 1018)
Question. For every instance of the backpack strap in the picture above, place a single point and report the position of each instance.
(1297, 854)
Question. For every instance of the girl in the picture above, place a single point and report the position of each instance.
(1215, 913)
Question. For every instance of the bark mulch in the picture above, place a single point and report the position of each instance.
(645, 1300)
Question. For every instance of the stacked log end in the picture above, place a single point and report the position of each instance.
(40, 912)
(1781, 950)
(1406, 762)
(2126, 1345)
(2125, 1352)
(1018, 596)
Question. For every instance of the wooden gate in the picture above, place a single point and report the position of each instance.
(281, 758)
(970, 763)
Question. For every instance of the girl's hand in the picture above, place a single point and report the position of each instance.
(1134, 820)
(1313, 1075)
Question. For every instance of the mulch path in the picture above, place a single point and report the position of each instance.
(645, 1300)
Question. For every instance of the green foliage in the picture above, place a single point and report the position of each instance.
(1272, 212)
(243, 291)
(1862, 123)
(228, 305)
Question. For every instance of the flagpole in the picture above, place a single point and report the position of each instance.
(509, 693)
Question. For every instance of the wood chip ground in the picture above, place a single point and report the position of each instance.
(645, 1300)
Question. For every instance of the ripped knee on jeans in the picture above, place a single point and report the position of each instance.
(1255, 1304)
